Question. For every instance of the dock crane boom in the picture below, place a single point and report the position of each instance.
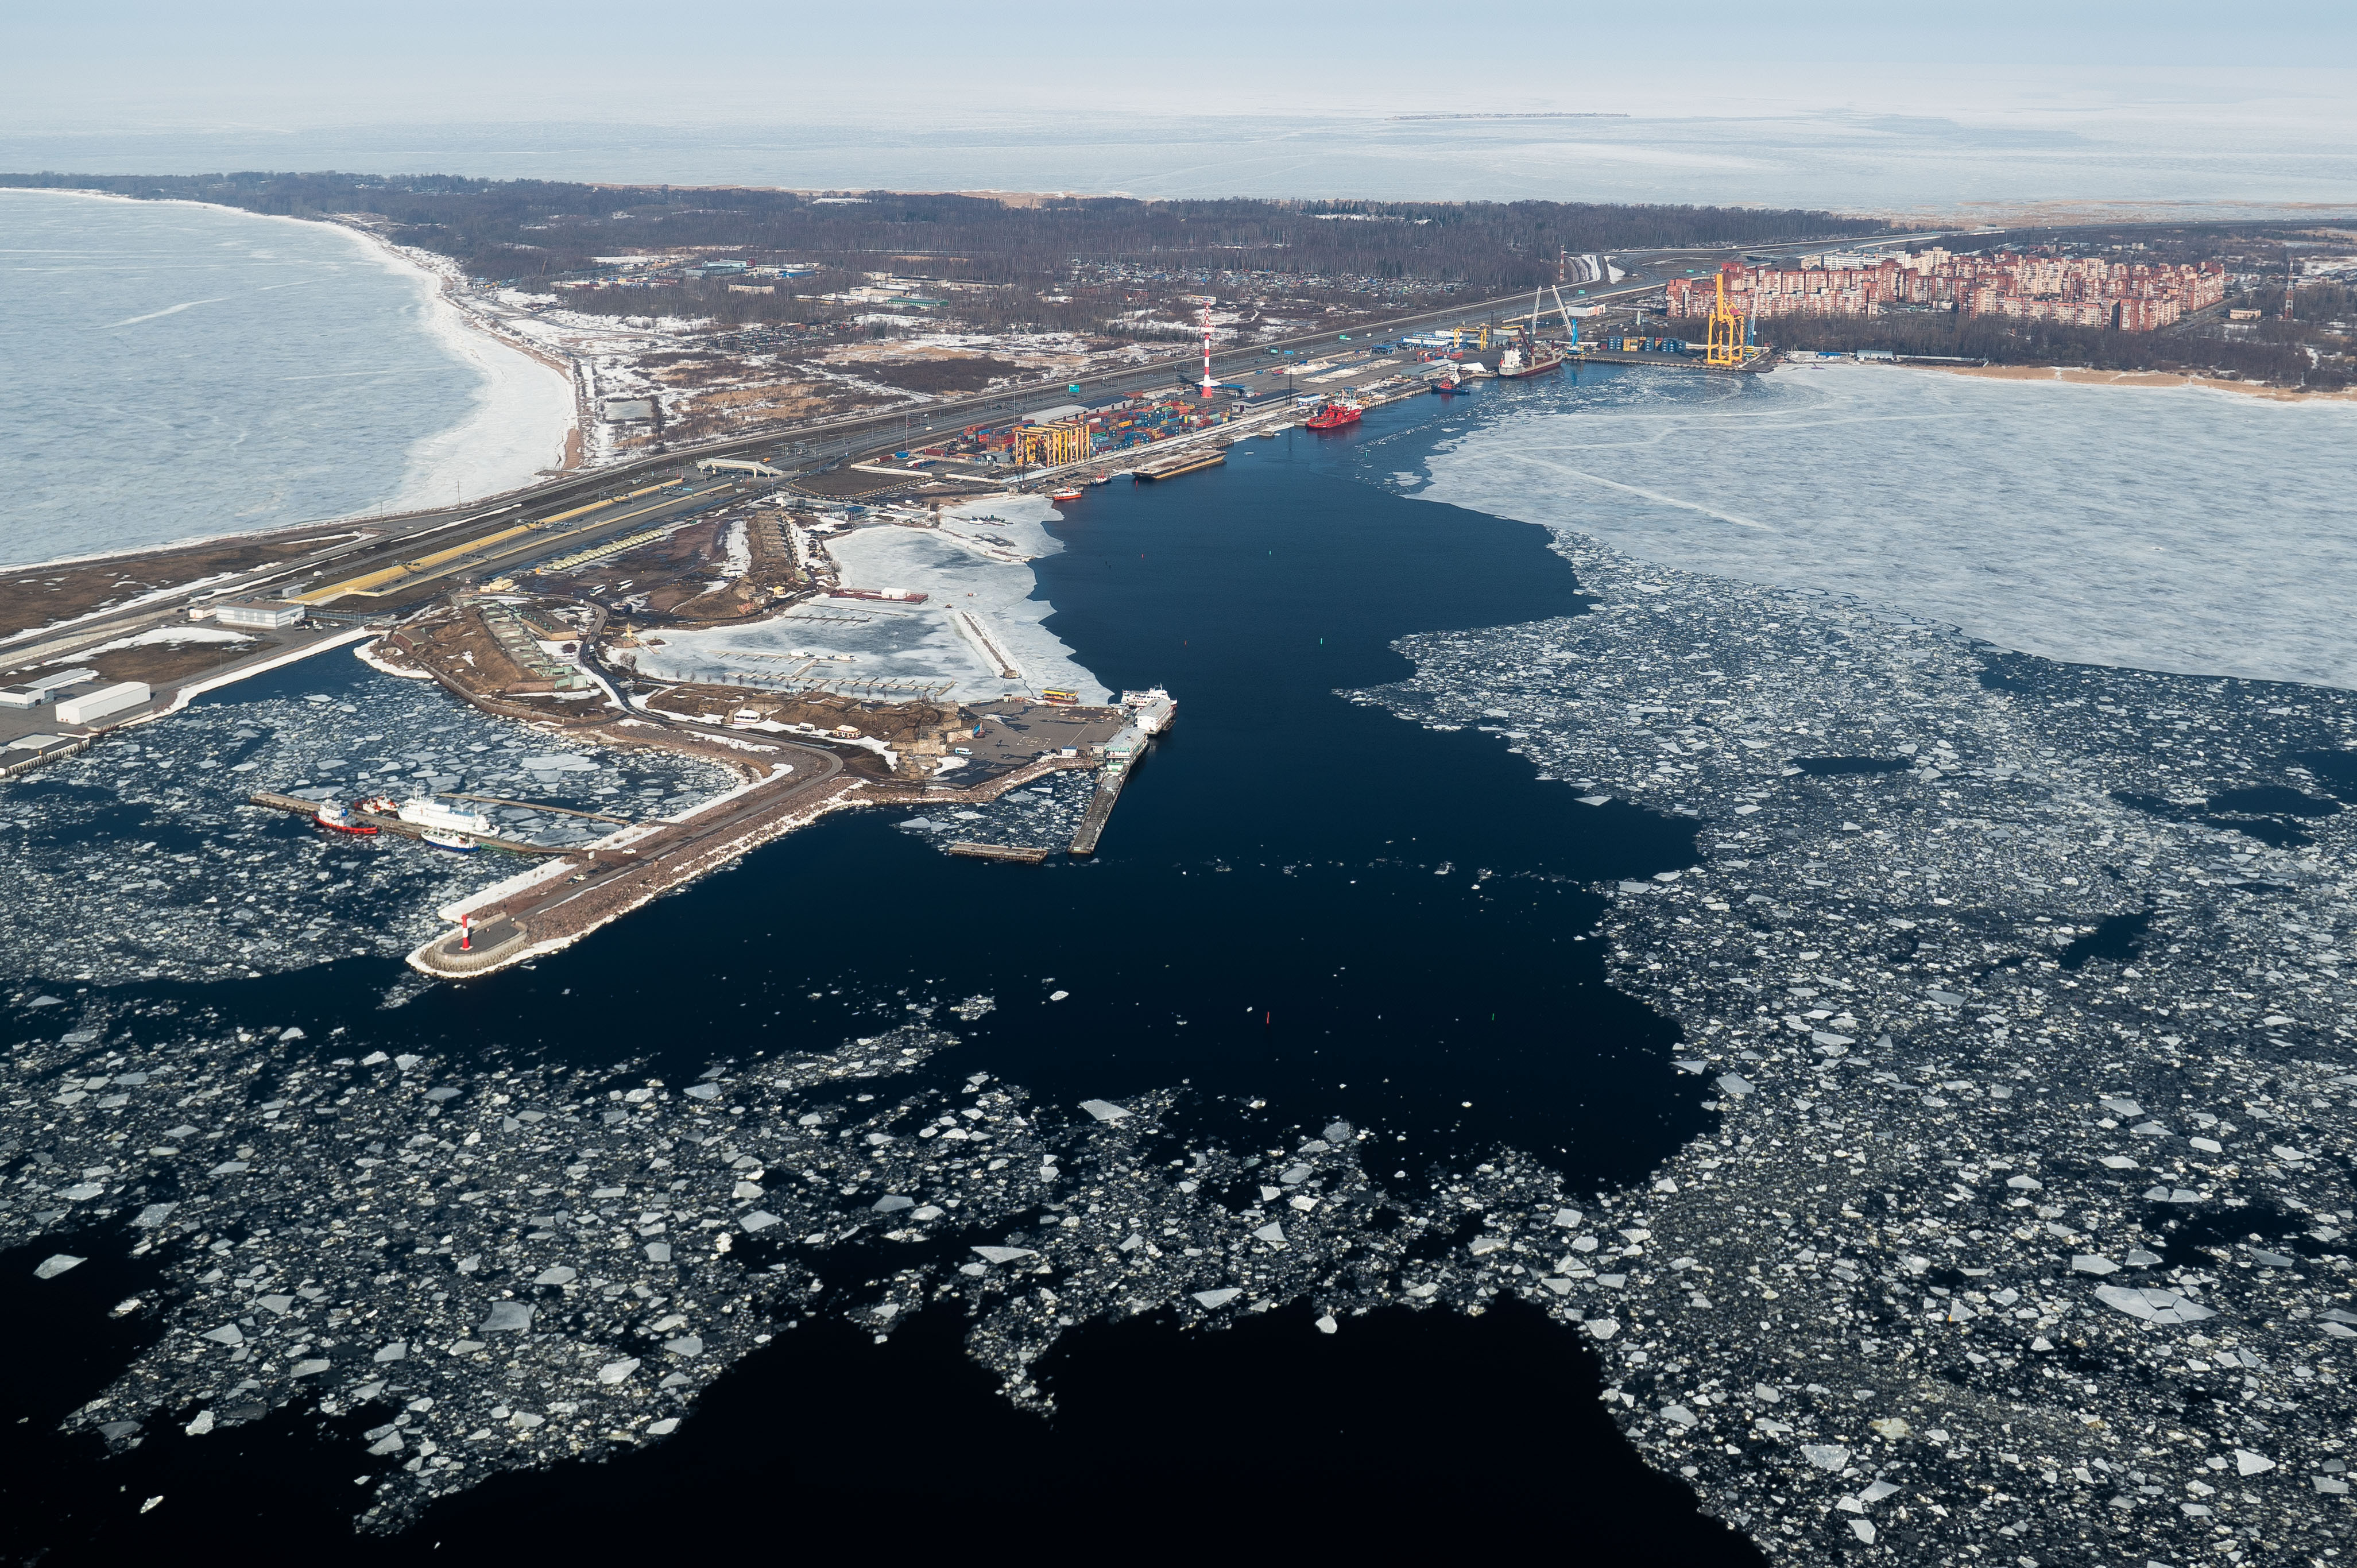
(1726, 346)
(1568, 323)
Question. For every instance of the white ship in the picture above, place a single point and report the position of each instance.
(425, 812)
(1153, 708)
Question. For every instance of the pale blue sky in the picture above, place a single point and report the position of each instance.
(1925, 108)
(118, 63)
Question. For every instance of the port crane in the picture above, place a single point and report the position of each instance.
(1726, 346)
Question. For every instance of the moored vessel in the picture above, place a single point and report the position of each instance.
(338, 817)
(425, 812)
(458, 844)
(1334, 415)
(1511, 365)
(1152, 709)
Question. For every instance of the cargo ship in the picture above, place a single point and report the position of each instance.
(1512, 366)
(1333, 416)
(338, 818)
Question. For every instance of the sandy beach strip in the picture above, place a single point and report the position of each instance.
(526, 416)
(2080, 376)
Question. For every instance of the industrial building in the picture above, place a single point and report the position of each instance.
(35, 692)
(104, 703)
(267, 617)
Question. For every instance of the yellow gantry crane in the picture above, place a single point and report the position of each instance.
(1725, 346)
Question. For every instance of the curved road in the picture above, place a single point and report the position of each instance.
(607, 883)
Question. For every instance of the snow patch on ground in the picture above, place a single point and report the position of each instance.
(977, 564)
(162, 636)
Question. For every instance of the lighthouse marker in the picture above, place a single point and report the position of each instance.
(1209, 386)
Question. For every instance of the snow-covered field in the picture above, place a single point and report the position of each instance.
(963, 572)
(2181, 530)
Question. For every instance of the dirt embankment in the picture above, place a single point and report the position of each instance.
(161, 665)
(919, 727)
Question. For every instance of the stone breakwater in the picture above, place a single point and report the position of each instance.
(2025, 1234)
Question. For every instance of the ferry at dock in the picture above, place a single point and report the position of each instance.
(1152, 709)
(425, 812)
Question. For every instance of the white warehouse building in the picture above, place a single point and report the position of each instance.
(268, 616)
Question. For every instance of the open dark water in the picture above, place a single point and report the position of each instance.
(1302, 910)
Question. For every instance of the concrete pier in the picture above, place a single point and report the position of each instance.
(303, 808)
(1024, 854)
(1092, 820)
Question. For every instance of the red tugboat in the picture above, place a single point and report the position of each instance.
(1334, 415)
(1062, 497)
(338, 818)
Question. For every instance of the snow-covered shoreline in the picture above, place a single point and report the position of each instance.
(520, 420)
(524, 413)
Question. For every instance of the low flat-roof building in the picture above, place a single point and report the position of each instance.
(35, 692)
(268, 616)
(107, 701)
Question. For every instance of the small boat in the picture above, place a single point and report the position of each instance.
(1100, 479)
(458, 844)
(1333, 416)
(1268, 436)
(337, 817)
(1062, 495)
(1451, 383)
